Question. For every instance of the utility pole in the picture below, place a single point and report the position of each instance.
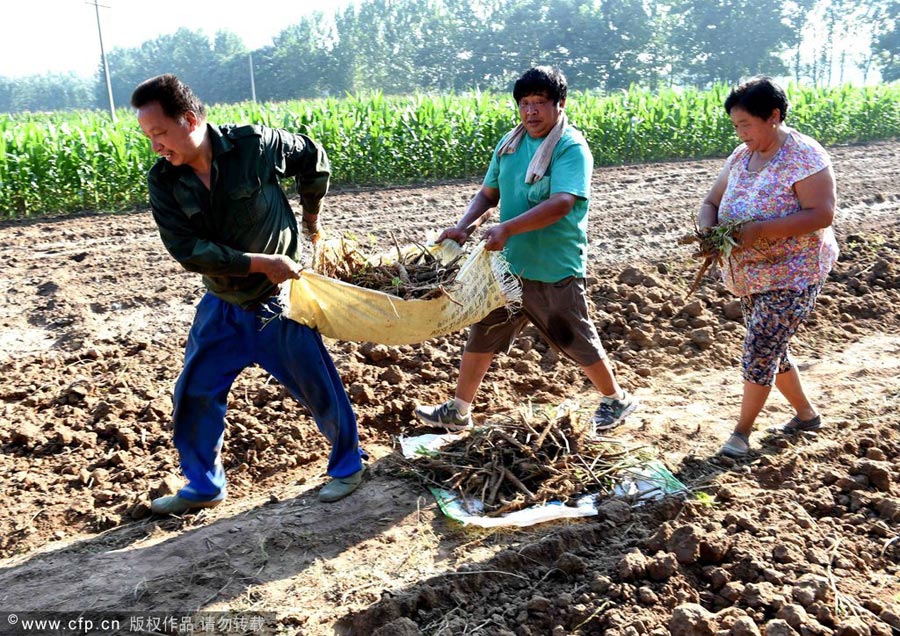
(112, 107)
(252, 83)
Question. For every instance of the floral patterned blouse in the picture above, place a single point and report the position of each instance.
(794, 262)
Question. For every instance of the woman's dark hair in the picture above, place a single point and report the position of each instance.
(759, 96)
(174, 96)
(541, 80)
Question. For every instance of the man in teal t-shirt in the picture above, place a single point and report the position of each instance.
(540, 175)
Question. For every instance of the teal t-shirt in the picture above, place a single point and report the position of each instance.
(559, 250)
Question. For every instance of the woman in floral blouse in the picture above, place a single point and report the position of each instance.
(779, 184)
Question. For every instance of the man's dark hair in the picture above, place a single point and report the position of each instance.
(174, 96)
(759, 96)
(541, 80)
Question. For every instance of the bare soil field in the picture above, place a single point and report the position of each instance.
(800, 538)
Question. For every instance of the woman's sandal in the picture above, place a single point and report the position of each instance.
(737, 446)
(796, 425)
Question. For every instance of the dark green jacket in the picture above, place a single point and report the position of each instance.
(245, 210)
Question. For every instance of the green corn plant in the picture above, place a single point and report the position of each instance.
(66, 162)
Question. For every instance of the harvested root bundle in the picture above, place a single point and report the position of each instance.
(415, 274)
(347, 311)
(517, 464)
(714, 245)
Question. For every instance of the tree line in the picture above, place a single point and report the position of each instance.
(408, 46)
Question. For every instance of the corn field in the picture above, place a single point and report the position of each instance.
(75, 161)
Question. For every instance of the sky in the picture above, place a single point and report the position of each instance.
(61, 36)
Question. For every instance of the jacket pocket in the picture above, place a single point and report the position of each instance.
(246, 203)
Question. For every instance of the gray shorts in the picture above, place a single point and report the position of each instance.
(558, 310)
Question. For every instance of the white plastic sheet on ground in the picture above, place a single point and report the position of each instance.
(349, 312)
(647, 482)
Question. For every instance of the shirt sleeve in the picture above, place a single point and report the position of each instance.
(571, 171)
(298, 156)
(181, 239)
(807, 158)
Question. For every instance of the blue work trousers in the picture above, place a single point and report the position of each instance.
(223, 341)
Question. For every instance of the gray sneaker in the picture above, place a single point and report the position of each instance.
(444, 415)
(611, 412)
(175, 505)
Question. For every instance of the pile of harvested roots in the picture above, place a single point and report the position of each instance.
(414, 274)
(530, 461)
(714, 245)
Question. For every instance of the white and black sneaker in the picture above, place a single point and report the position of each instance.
(611, 412)
(445, 416)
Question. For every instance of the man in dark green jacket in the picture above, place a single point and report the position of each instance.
(221, 212)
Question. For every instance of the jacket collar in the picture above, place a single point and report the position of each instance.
(217, 141)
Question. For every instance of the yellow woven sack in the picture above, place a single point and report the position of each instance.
(348, 312)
